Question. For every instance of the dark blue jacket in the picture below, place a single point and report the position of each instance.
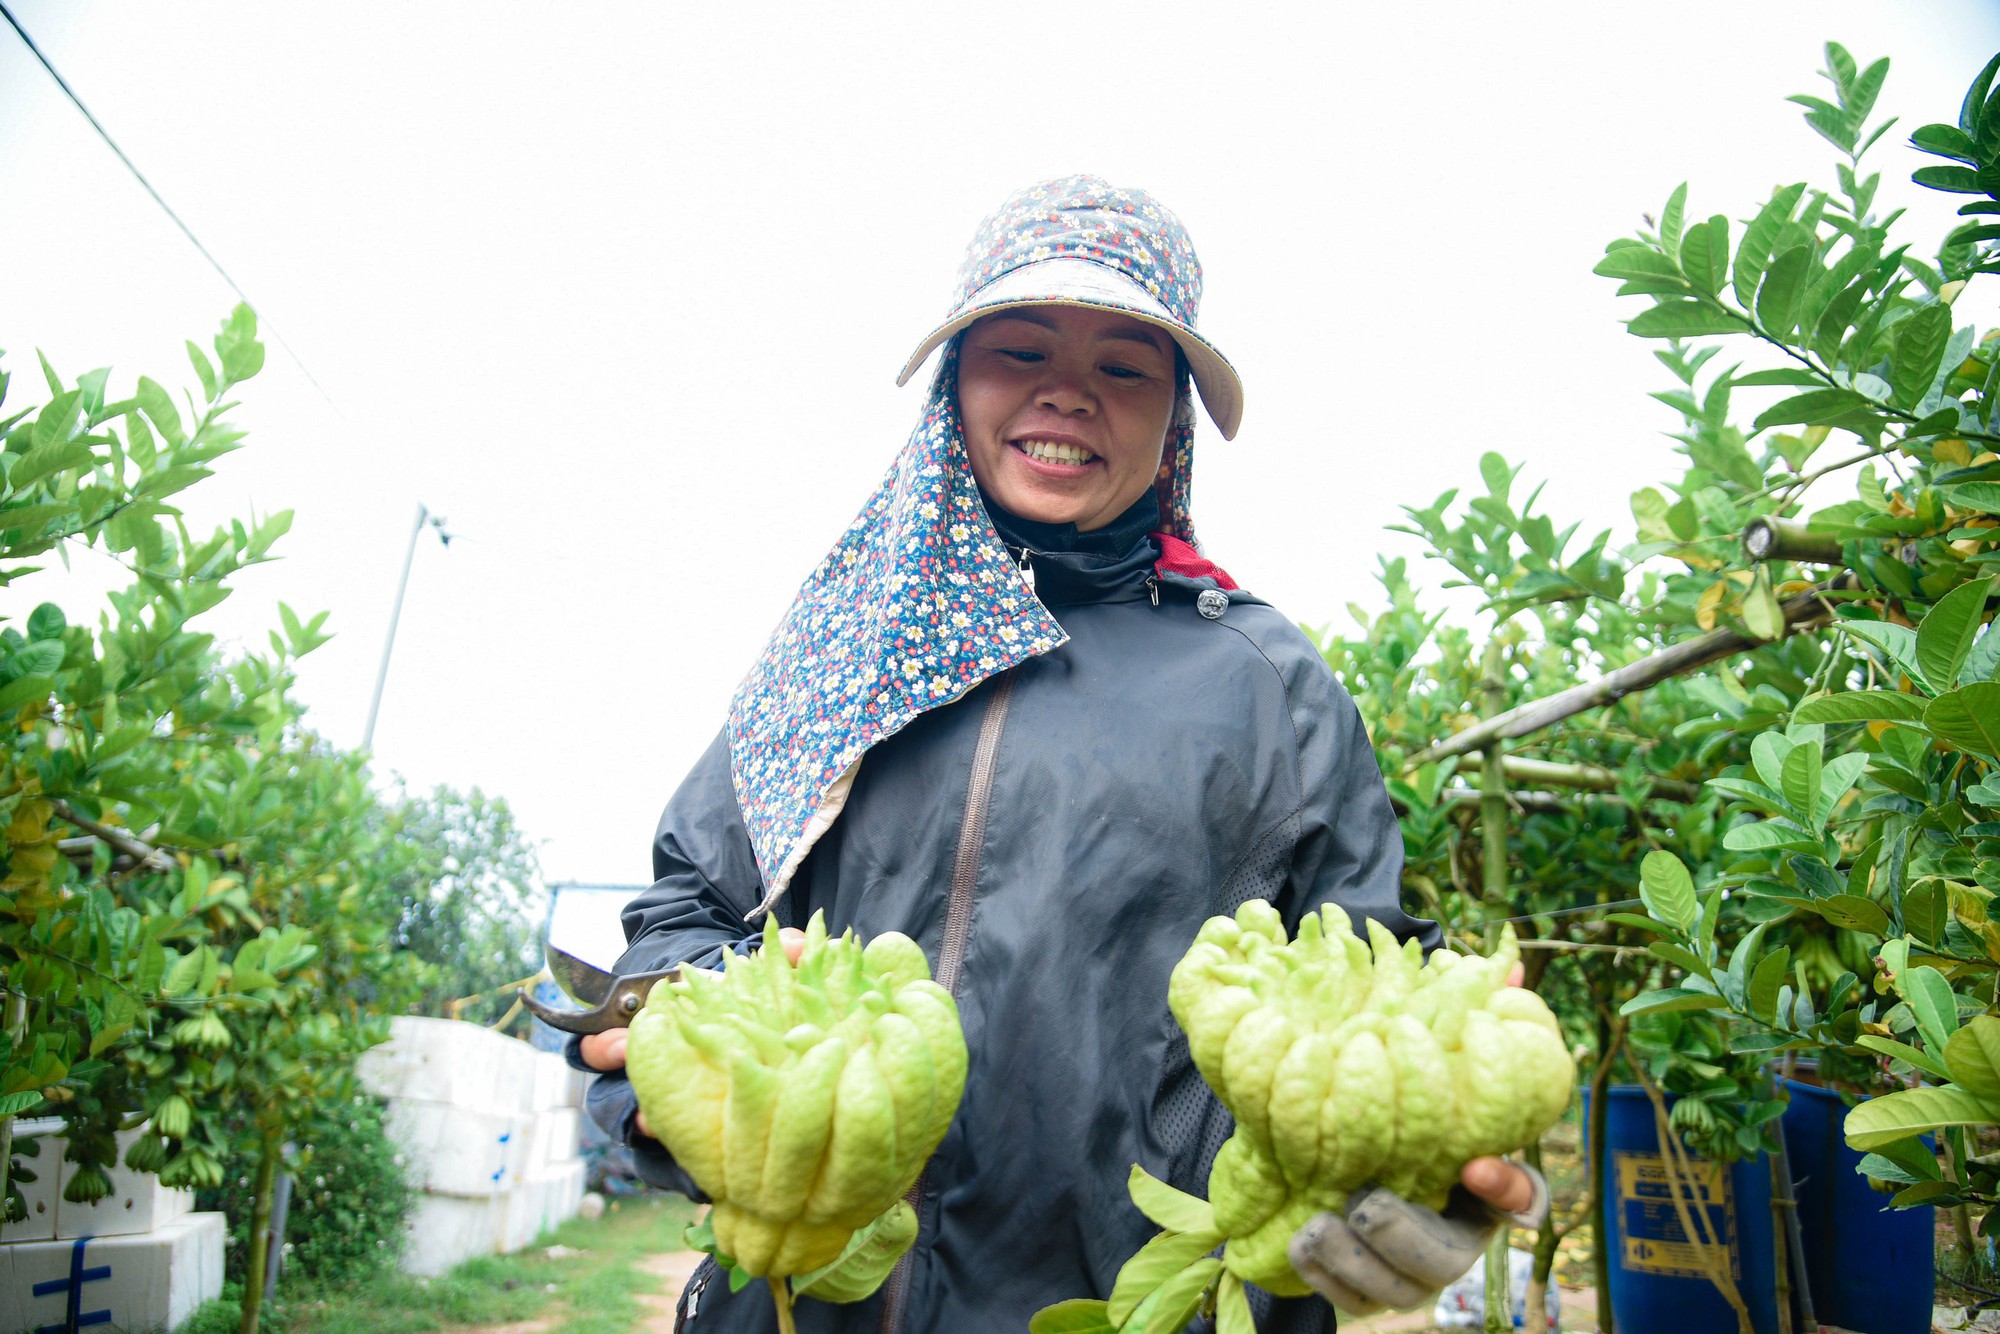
(1161, 767)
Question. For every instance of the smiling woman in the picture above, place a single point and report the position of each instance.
(1016, 716)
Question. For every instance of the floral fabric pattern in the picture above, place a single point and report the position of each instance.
(919, 600)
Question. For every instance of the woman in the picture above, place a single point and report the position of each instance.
(1015, 715)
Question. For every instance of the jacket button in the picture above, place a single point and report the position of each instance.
(1212, 603)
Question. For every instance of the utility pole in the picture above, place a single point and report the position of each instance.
(424, 516)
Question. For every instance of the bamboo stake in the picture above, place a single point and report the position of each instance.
(1590, 777)
(1709, 1250)
(1493, 891)
(1805, 611)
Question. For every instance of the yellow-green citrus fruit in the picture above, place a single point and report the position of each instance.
(803, 1101)
(1347, 1066)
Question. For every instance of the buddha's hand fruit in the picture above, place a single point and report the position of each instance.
(804, 1101)
(1345, 1066)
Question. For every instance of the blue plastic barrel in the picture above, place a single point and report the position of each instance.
(1871, 1267)
(1657, 1282)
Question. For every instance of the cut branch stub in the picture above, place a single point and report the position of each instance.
(1788, 539)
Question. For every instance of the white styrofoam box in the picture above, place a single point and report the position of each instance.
(562, 1191)
(556, 1084)
(545, 1199)
(454, 1150)
(131, 1282)
(137, 1202)
(553, 1138)
(446, 1230)
(444, 1060)
(43, 1195)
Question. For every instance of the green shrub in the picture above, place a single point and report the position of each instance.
(350, 1201)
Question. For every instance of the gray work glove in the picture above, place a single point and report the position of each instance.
(1391, 1253)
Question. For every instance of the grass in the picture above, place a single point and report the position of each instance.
(590, 1286)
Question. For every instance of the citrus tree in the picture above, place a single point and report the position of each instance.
(1771, 722)
(199, 895)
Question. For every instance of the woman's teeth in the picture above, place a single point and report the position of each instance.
(1049, 451)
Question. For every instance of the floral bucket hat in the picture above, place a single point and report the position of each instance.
(1081, 241)
(919, 601)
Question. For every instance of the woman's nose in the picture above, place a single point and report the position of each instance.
(1065, 393)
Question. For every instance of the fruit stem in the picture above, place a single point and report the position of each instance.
(782, 1296)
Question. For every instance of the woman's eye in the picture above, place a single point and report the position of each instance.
(1124, 373)
(1020, 354)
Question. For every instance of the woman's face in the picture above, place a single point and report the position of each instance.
(1065, 410)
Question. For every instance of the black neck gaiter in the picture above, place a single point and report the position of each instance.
(1116, 538)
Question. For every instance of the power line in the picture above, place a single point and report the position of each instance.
(165, 207)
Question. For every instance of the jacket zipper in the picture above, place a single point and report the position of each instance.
(957, 924)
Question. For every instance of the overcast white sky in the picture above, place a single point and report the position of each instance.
(621, 290)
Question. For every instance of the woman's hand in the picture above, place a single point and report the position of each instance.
(606, 1051)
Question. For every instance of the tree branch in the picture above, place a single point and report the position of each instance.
(1806, 611)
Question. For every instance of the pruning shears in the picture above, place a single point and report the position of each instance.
(613, 1000)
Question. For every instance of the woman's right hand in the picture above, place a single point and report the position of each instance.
(606, 1052)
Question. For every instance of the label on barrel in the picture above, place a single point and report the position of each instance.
(1650, 1236)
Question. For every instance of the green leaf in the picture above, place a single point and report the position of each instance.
(1972, 1056)
(1854, 913)
(203, 371)
(1972, 113)
(1770, 836)
(1898, 642)
(1761, 998)
(158, 405)
(1911, 1112)
(1952, 180)
(1903, 1051)
(1933, 1004)
(1968, 718)
(1981, 496)
(1801, 778)
(1157, 1261)
(1670, 220)
(57, 456)
(1667, 889)
(1686, 318)
(1178, 1299)
(22, 690)
(1175, 1210)
(1812, 408)
(1862, 706)
(1926, 911)
(1908, 1161)
(1784, 282)
(1680, 956)
(12, 1103)
(1636, 261)
(1915, 350)
(1672, 1000)
(1940, 1194)
(43, 658)
(1945, 636)
(1079, 1315)
(1705, 254)
(1754, 251)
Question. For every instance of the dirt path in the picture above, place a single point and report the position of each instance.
(673, 1268)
